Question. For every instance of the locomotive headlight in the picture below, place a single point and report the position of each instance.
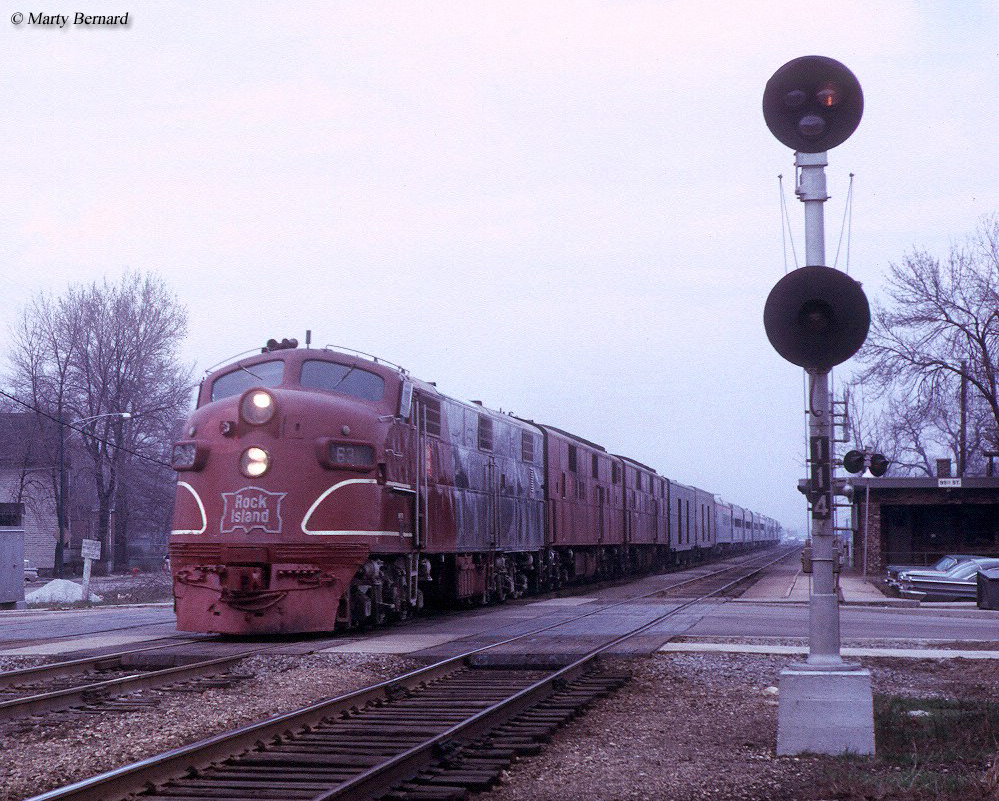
(254, 462)
(257, 407)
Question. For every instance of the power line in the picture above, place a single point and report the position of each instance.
(85, 433)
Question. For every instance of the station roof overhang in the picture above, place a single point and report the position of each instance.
(927, 491)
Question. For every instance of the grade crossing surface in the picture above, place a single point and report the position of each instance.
(438, 753)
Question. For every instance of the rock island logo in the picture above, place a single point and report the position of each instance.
(252, 507)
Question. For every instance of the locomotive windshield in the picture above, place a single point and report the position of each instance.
(265, 374)
(333, 377)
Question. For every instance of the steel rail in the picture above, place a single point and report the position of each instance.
(85, 693)
(73, 667)
(139, 776)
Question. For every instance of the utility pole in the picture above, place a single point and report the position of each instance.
(962, 456)
(60, 549)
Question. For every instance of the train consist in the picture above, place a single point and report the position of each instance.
(319, 489)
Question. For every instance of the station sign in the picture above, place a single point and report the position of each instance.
(90, 549)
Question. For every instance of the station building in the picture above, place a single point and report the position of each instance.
(914, 521)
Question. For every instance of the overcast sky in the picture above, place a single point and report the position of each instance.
(569, 210)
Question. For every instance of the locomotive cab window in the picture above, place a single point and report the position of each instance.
(265, 374)
(333, 377)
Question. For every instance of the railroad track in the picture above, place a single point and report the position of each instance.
(12, 681)
(437, 732)
(27, 690)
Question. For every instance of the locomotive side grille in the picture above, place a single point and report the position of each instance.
(432, 416)
(204, 551)
(294, 552)
(275, 552)
(341, 553)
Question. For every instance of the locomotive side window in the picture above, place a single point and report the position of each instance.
(265, 374)
(333, 377)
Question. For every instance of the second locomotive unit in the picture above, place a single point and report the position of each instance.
(319, 489)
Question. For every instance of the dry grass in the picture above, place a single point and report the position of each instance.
(929, 749)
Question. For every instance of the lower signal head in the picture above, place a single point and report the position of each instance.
(816, 317)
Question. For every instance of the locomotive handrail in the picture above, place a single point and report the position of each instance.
(334, 348)
(376, 359)
(232, 358)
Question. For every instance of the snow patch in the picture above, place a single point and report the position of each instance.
(58, 591)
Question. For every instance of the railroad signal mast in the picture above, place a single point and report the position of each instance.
(817, 317)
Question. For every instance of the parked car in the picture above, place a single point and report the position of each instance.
(942, 565)
(30, 573)
(960, 583)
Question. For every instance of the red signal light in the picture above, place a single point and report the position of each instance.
(829, 94)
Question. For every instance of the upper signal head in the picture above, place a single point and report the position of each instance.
(812, 104)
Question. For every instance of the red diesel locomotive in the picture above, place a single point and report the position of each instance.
(319, 489)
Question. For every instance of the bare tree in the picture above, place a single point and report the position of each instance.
(102, 360)
(937, 335)
(42, 349)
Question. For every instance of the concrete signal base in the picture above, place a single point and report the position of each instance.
(825, 711)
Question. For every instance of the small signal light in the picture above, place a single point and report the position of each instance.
(879, 465)
(853, 462)
(796, 98)
(829, 94)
